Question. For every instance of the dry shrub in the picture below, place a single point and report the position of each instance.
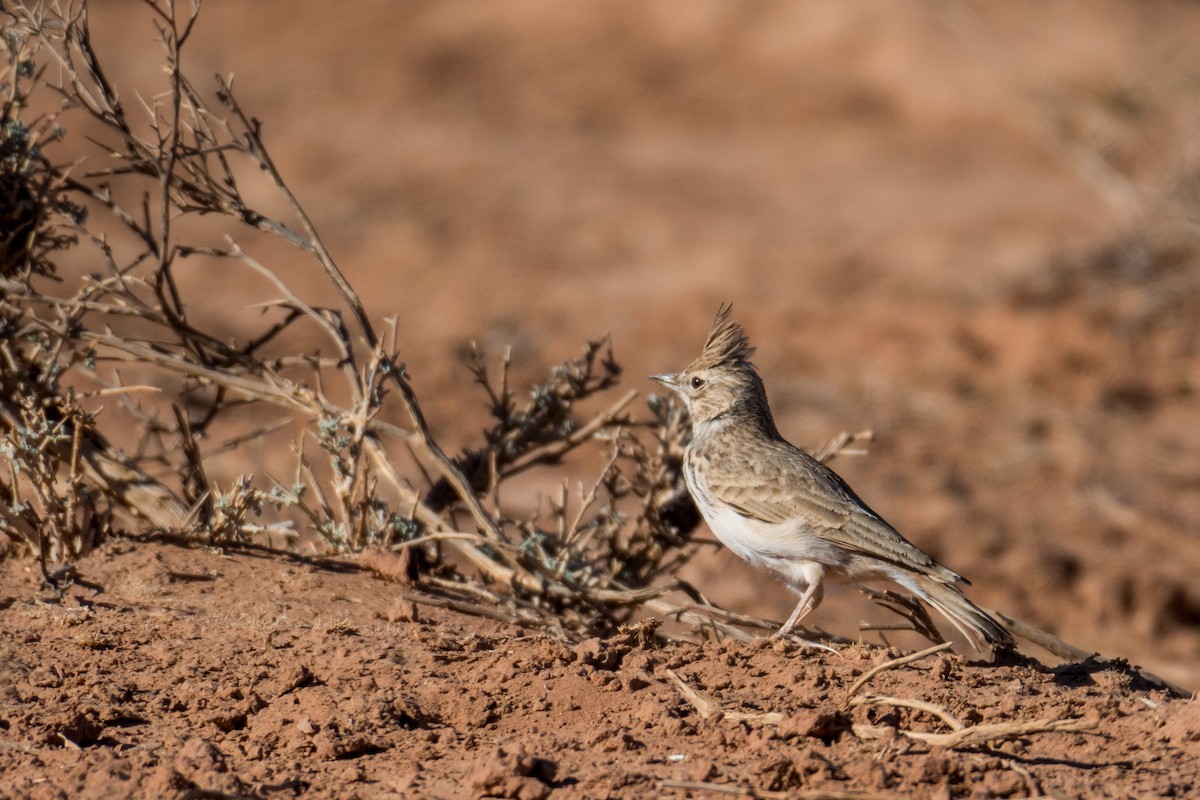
(121, 393)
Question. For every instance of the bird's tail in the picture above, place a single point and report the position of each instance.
(981, 628)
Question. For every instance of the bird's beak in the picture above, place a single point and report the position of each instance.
(669, 380)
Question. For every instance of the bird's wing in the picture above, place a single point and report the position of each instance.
(800, 491)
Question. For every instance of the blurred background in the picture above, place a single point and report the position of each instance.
(971, 227)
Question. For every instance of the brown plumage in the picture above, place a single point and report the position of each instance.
(727, 345)
(779, 508)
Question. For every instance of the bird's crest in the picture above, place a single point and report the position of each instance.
(727, 344)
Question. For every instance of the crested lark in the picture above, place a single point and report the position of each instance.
(777, 507)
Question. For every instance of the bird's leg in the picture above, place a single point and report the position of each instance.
(811, 576)
(808, 601)
(811, 597)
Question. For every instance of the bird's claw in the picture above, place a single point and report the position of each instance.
(791, 637)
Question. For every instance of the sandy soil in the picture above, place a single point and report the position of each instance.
(203, 674)
(969, 228)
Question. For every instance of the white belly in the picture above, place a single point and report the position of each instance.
(797, 555)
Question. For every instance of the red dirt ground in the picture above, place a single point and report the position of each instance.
(203, 674)
(968, 227)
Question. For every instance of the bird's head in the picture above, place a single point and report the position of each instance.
(721, 381)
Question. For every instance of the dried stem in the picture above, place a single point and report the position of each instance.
(894, 663)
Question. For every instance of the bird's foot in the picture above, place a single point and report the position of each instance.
(787, 635)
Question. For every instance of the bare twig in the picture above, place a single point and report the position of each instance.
(909, 608)
(904, 702)
(841, 444)
(978, 735)
(892, 664)
(709, 708)
(1069, 652)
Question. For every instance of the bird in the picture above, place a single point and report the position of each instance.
(780, 509)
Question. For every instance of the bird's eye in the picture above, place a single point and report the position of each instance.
(697, 383)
